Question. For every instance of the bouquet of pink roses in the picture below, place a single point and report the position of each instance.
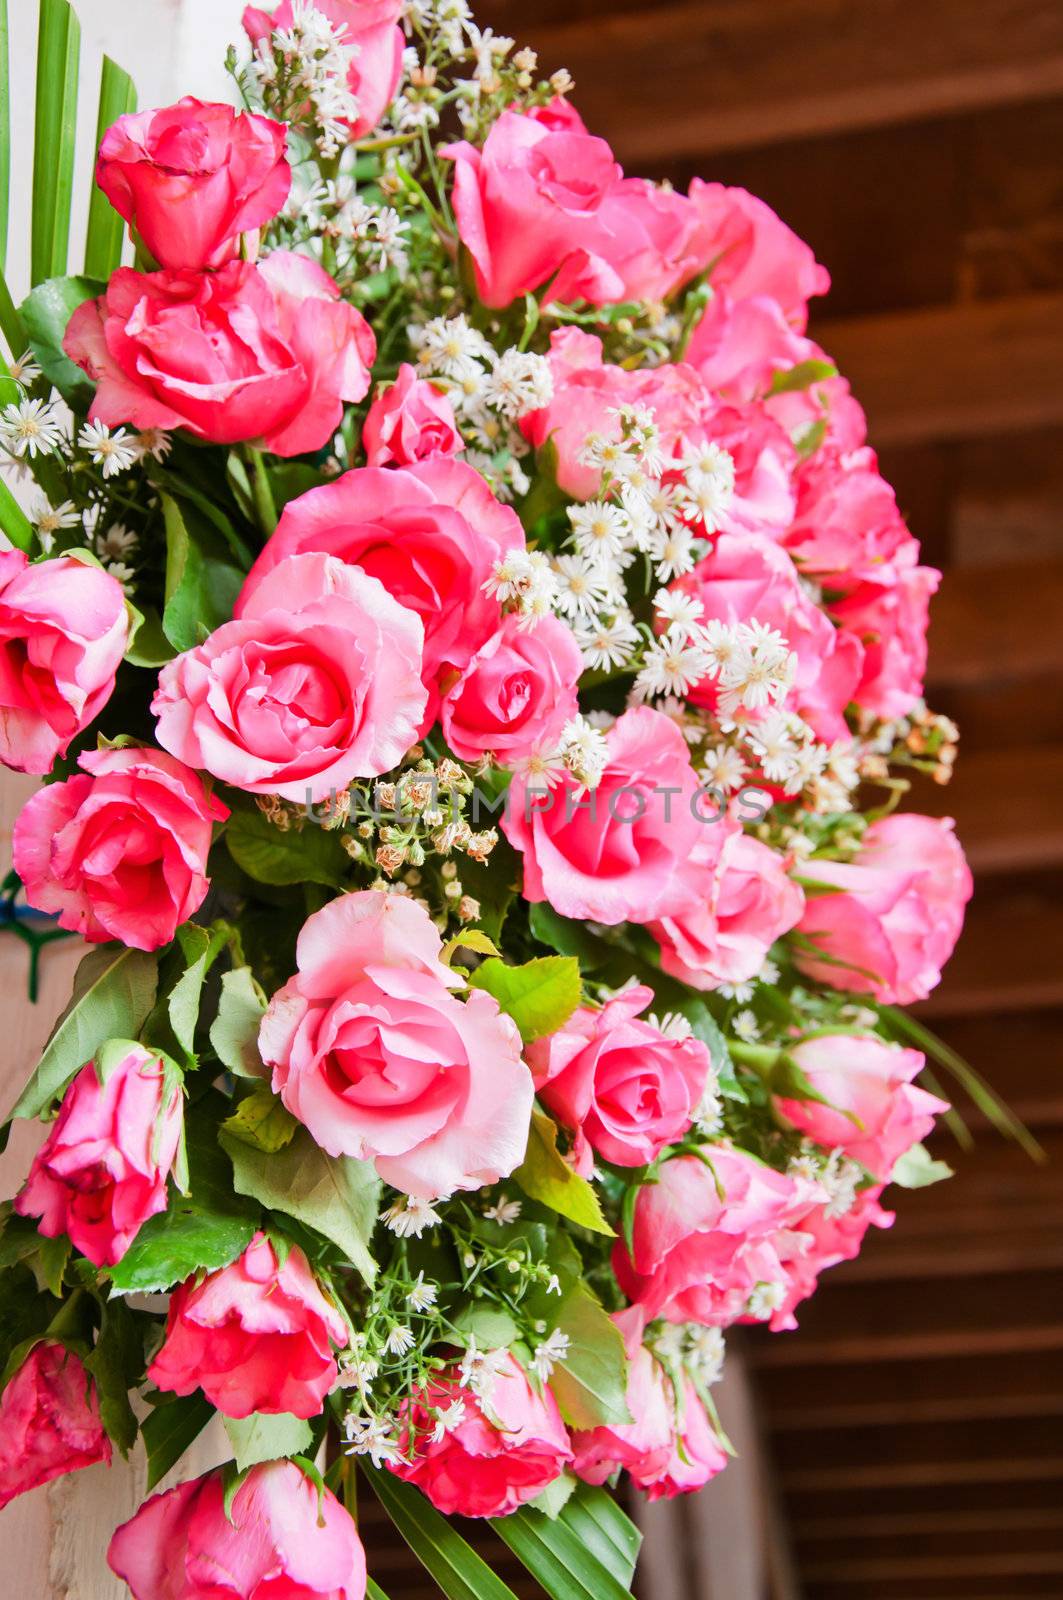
(475, 662)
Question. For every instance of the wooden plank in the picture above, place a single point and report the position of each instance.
(992, 625)
(1008, 806)
(1008, 955)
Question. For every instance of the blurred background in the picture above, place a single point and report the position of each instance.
(906, 1441)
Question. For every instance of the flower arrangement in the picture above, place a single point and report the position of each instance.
(475, 662)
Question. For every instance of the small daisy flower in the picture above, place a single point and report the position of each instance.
(504, 1211)
(549, 1353)
(114, 452)
(410, 1216)
(29, 428)
(423, 1296)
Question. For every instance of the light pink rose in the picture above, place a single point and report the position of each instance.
(255, 1336)
(750, 251)
(739, 346)
(368, 27)
(283, 1538)
(191, 178)
(408, 422)
(745, 902)
(431, 533)
(290, 700)
(875, 1112)
(618, 852)
(642, 1447)
(373, 1052)
(827, 406)
(119, 851)
(697, 1454)
(516, 694)
(625, 1088)
(510, 1445)
(650, 239)
(822, 1238)
(894, 914)
(890, 620)
(102, 1170)
(64, 627)
(49, 1422)
(267, 352)
(764, 459)
(846, 526)
(528, 207)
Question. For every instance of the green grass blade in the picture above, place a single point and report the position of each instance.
(557, 1558)
(373, 1590)
(13, 520)
(5, 133)
(439, 1547)
(607, 1531)
(58, 48)
(103, 242)
(11, 325)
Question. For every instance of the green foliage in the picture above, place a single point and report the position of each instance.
(558, 1558)
(103, 240)
(13, 519)
(262, 1437)
(802, 376)
(273, 855)
(58, 49)
(548, 1178)
(261, 1121)
(590, 1382)
(176, 1423)
(117, 1364)
(540, 996)
(606, 1530)
(45, 313)
(201, 948)
(201, 581)
(437, 1544)
(234, 1031)
(917, 1169)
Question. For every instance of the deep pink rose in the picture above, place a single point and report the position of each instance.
(516, 694)
(371, 1050)
(509, 1446)
(290, 699)
(49, 1422)
(369, 27)
(697, 1454)
(255, 1336)
(890, 621)
(410, 421)
(191, 178)
(704, 1236)
(650, 239)
(282, 1538)
(63, 632)
(642, 1447)
(846, 526)
(528, 206)
(875, 1111)
(559, 115)
(739, 346)
(625, 1088)
(102, 1170)
(119, 852)
(745, 902)
(895, 912)
(823, 1237)
(750, 251)
(618, 852)
(431, 533)
(267, 352)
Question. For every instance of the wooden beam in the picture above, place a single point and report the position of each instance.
(1008, 804)
(991, 623)
(1008, 955)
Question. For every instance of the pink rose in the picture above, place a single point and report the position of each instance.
(559, 115)
(255, 1336)
(697, 1454)
(431, 533)
(750, 251)
(642, 1447)
(764, 459)
(120, 853)
(282, 1538)
(368, 28)
(650, 241)
(267, 352)
(516, 694)
(823, 1237)
(846, 526)
(890, 621)
(739, 346)
(102, 1170)
(289, 700)
(623, 1086)
(528, 206)
(49, 1422)
(191, 178)
(63, 632)
(895, 912)
(372, 1051)
(410, 421)
(618, 852)
(509, 1446)
(745, 902)
(875, 1111)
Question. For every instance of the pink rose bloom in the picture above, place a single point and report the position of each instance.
(846, 526)
(372, 1051)
(745, 902)
(49, 1422)
(102, 1170)
(895, 912)
(366, 25)
(890, 621)
(825, 1236)
(528, 205)
(255, 1336)
(191, 178)
(704, 1237)
(651, 239)
(267, 352)
(510, 1445)
(120, 853)
(516, 694)
(697, 1454)
(559, 115)
(876, 1111)
(431, 534)
(283, 1538)
(616, 853)
(625, 1088)
(751, 251)
(64, 627)
(764, 459)
(739, 346)
(290, 700)
(410, 421)
(642, 1447)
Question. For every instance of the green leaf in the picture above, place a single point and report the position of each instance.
(11, 322)
(339, 1197)
(103, 240)
(262, 1437)
(201, 581)
(490, 1325)
(201, 947)
(261, 1121)
(546, 1176)
(114, 989)
(45, 313)
(265, 852)
(438, 1546)
(234, 1031)
(148, 645)
(55, 133)
(13, 519)
(373, 1590)
(606, 1530)
(590, 1383)
(117, 1364)
(174, 1424)
(802, 376)
(540, 996)
(554, 1498)
(557, 1558)
(917, 1169)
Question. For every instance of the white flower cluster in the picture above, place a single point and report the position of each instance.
(366, 237)
(690, 1345)
(834, 1172)
(302, 73)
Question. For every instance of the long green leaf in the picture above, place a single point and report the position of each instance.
(606, 1530)
(170, 1429)
(13, 519)
(11, 325)
(103, 242)
(373, 1590)
(58, 49)
(5, 133)
(558, 1558)
(455, 1566)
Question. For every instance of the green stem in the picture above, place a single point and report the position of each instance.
(261, 491)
